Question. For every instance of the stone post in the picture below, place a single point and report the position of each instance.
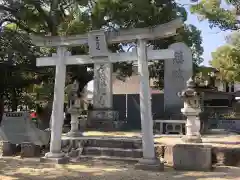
(191, 110)
(57, 117)
(149, 160)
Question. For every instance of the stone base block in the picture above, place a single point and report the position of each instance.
(192, 157)
(116, 152)
(150, 165)
(102, 119)
(192, 139)
(115, 143)
(30, 150)
(168, 155)
(225, 156)
(60, 160)
(74, 153)
(74, 134)
(7, 149)
(55, 158)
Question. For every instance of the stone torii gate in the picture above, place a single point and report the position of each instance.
(100, 99)
(100, 56)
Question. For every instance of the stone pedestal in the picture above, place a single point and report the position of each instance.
(150, 165)
(30, 150)
(192, 127)
(75, 113)
(103, 119)
(195, 157)
(56, 158)
(7, 149)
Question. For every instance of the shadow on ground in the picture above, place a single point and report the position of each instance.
(23, 169)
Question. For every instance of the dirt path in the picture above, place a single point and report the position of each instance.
(26, 169)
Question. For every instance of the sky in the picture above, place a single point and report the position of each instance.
(212, 38)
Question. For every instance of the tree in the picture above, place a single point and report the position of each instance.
(217, 15)
(17, 66)
(134, 13)
(58, 17)
(225, 58)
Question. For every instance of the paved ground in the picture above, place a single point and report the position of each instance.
(26, 169)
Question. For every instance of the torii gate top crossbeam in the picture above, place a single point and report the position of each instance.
(157, 32)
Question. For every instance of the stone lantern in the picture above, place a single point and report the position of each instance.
(75, 111)
(191, 110)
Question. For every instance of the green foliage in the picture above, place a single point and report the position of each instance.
(17, 65)
(224, 18)
(234, 40)
(227, 60)
(67, 17)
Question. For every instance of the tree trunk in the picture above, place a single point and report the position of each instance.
(1, 107)
(54, 17)
(14, 100)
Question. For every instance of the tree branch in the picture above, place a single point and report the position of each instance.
(4, 8)
(21, 26)
(43, 13)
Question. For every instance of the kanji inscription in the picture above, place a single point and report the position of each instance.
(178, 58)
(101, 86)
(178, 74)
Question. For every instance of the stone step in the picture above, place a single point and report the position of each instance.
(106, 158)
(102, 126)
(114, 143)
(113, 152)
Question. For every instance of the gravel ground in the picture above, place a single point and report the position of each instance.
(25, 169)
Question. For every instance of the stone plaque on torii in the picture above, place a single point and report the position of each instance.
(101, 56)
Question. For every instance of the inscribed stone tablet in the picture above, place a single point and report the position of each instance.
(176, 74)
(14, 127)
(97, 44)
(102, 95)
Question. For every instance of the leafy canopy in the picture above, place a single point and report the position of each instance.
(57, 17)
(219, 13)
(224, 15)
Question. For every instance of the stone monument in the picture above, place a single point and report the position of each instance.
(102, 116)
(177, 71)
(191, 110)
